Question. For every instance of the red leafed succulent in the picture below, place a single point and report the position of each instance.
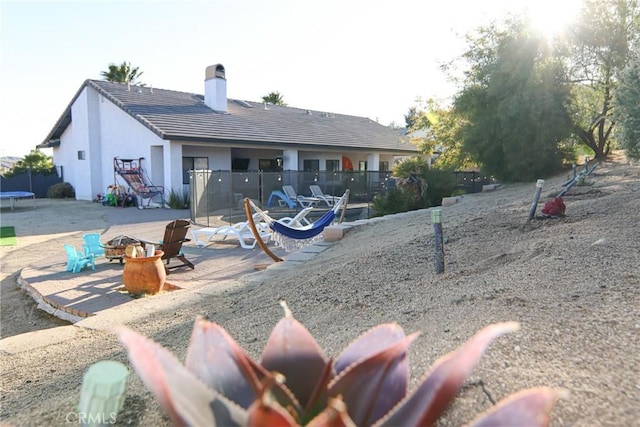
(294, 383)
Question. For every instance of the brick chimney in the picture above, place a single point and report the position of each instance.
(215, 88)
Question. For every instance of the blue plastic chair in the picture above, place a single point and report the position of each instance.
(76, 260)
(281, 199)
(92, 244)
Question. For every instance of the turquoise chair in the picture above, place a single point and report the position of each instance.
(92, 244)
(76, 260)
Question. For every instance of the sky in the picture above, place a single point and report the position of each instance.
(366, 58)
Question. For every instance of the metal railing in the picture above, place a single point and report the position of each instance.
(217, 196)
(472, 182)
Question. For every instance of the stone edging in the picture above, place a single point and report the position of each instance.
(45, 304)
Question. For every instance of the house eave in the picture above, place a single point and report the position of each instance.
(278, 145)
(49, 144)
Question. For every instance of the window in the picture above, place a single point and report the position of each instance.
(239, 165)
(81, 155)
(384, 166)
(311, 165)
(362, 165)
(333, 165)
(191, 163)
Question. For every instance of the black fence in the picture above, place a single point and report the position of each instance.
(37, 184)
(472, 182)
(218, 196)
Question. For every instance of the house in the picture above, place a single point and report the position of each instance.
(176, 132)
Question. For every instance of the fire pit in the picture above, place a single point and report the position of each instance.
(115, 248)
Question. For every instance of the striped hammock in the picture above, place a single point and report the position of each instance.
(294, 238)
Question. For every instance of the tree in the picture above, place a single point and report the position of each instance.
(411, 117)
(36, 161)
(513, 104)
(627, 109)
(439, 127)
(410, 175)
(274, 98)
(599, 46)
(123, 73)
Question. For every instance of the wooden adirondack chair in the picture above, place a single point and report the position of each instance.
(174, 236)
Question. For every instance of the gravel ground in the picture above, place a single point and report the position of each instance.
(573, 283)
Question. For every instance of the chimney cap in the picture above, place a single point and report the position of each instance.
(214, 71)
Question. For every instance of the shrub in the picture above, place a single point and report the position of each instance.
(179, 199)
(394, 201)
(441, 184)
(61, 190)
(419, 187)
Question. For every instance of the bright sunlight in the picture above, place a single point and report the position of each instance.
(550, 17)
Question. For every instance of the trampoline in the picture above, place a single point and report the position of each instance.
(14, 196)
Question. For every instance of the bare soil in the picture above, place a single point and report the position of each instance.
(573, 283)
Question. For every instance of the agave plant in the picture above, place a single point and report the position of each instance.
(294, 383)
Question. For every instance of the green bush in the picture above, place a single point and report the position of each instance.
(441, 183)
(394, 201)
(179, 199)
(406, 197)
(61, 190)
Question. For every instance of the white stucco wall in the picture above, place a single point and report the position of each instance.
(103, 131)
(219, 157)
(74, 139)
(126, 138)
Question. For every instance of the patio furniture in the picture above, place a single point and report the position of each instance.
(317, 192)
(239, 230)
(280, 198)
(299, 220)
(294, 238)
(76, 260)
(171, 245)
(304, 201)
(92, 244)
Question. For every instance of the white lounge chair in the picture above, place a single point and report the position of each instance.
(317, 192)
(239, 230)
(304, 201)
(298, 221)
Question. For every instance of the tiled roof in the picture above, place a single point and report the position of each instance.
(184, 116)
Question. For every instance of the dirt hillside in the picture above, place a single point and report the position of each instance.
(573, 283)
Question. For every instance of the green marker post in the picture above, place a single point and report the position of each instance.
(436, 220)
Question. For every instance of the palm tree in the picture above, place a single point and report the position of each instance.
(122, 73)
(274, 98)
(410, 174)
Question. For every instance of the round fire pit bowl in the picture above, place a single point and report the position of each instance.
(115, 248)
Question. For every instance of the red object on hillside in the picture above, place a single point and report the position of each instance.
(554, 208)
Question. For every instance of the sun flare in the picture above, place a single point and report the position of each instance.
(551, 17)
